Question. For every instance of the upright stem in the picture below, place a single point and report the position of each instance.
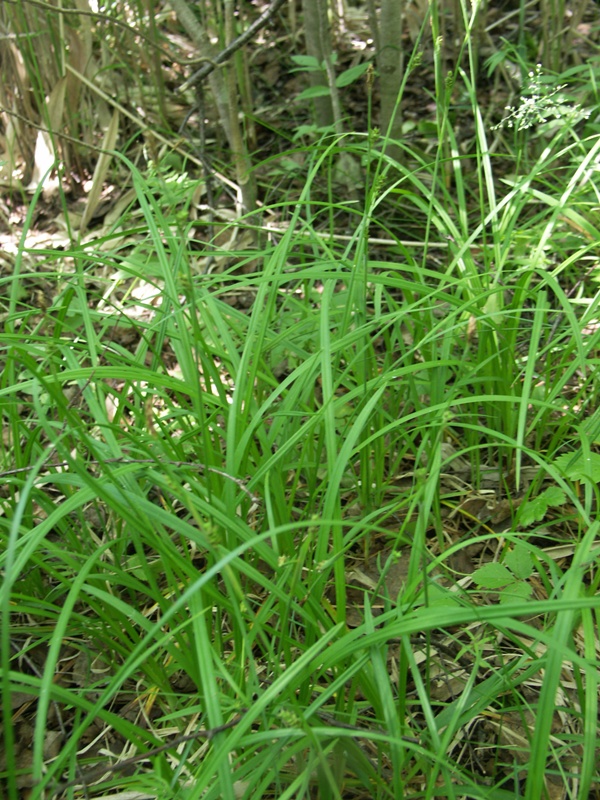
(316, 31)
(241, 157)
(390, 62)
(224, 90)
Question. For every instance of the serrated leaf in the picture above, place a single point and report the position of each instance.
(537, 508)
(350, 75)
(519, 590)
(578, 468)
(533, 510)
(519, 562)
(554, 496)
(492, 576)
(314, 91)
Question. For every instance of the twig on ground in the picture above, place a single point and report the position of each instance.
(98, 772)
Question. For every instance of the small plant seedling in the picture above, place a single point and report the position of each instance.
(345, 78)
(509, 578)
(536, 508)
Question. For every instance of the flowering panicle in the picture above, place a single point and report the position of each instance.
(539, 103)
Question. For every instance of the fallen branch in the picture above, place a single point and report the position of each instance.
(99, 772)
(241, 40)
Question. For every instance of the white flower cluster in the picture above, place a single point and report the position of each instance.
(539, 104)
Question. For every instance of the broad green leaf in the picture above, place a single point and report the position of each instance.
(350, 75)
(575, 467)
(519, 561)
(492, 576)
(554, 496)
(536, 508)
(438, 596)
(533, 511)
(308, 63)
(314, 91)
(519, 590)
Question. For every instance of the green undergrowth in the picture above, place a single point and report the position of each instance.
(194, 473)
